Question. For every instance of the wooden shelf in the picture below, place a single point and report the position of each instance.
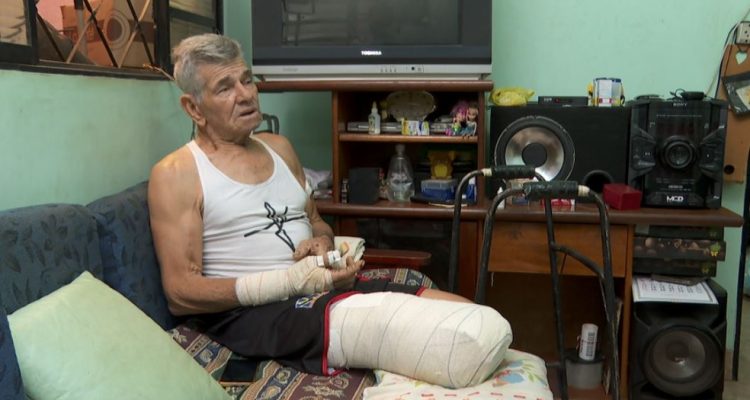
(389, 209)
(584, 213)
(397, 138)
(588, 213)
(365, 85)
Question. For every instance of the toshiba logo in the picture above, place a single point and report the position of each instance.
(371, 53)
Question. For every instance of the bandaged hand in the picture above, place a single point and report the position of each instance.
(307, 276)
(343, 278)
(316, 246)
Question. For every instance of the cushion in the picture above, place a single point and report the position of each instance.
(80, 342)
(127, 248)
(42, 248)
(520, 375)
(405, 276)
(11, 385)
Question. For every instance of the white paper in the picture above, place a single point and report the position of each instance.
(647, 289)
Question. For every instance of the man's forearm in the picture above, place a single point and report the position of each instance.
(307, 276)
(321, 228)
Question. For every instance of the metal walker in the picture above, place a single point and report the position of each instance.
(546, 191)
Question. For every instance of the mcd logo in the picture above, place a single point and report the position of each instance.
(675, 199)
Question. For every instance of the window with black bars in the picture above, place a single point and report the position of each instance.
(100, 36)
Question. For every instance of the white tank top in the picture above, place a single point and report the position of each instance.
(250, 227)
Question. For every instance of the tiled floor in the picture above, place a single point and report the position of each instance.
(740, 389)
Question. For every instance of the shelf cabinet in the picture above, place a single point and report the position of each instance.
(352, 101)
(356, 149)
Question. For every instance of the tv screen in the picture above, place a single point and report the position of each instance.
(339, 39)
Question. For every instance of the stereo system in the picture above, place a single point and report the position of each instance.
(671, 150)
(677, 349)
(677, 152)
(584, 144)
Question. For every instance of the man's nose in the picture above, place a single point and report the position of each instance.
(245, 92)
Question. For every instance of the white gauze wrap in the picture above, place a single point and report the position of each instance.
(442, 342)
(306, 276)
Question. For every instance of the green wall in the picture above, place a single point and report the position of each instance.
(556, 48)
(70, 138)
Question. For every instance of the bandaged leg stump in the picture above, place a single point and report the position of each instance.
(447, 343)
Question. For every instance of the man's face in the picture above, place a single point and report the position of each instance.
(229, 102)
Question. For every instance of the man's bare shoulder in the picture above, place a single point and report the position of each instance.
(278, 143)
(175, 177)
(281, 146)
(176, 165)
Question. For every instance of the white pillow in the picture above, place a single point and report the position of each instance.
(86, 341)
(521, 375)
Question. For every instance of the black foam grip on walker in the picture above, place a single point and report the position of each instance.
(513, 171)
(550, 190)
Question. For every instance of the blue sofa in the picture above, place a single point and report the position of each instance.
(45, 247)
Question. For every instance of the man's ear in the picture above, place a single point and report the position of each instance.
(188, 103)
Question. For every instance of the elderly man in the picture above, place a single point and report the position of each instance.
(242, 248)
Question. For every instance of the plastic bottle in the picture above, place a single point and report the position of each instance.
(373, 120)
(400, 176)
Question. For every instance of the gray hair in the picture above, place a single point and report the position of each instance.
(194, 51)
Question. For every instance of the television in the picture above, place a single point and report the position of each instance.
(371, 39)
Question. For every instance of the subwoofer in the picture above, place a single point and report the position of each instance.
(677, 152)
(677, 349)
(585, 144)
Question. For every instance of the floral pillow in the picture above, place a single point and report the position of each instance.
(520, 376)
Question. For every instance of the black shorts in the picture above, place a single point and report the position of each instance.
(293, 332)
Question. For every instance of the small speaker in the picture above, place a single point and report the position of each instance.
(677, 152)
(677, 349)
(584, 144)
(364, 185)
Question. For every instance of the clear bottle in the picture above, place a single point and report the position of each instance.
(400, 176)
(373, 120)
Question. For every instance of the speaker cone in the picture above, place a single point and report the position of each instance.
(682, 360)
(678, 152)
(538, 141)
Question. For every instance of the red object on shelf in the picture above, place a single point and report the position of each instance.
(622, 197)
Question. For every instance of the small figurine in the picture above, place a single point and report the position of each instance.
(441, 164)
(459, 118)
(464, 119)
(472, 113)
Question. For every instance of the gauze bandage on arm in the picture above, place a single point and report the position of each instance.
(306, 276)
(447, 343)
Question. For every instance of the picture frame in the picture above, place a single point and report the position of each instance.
(738, 92)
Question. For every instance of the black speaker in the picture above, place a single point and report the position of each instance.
(677, 152)
(677, 349)
(364, 185)
(585, 144)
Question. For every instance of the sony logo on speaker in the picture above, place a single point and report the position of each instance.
(675, 199)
